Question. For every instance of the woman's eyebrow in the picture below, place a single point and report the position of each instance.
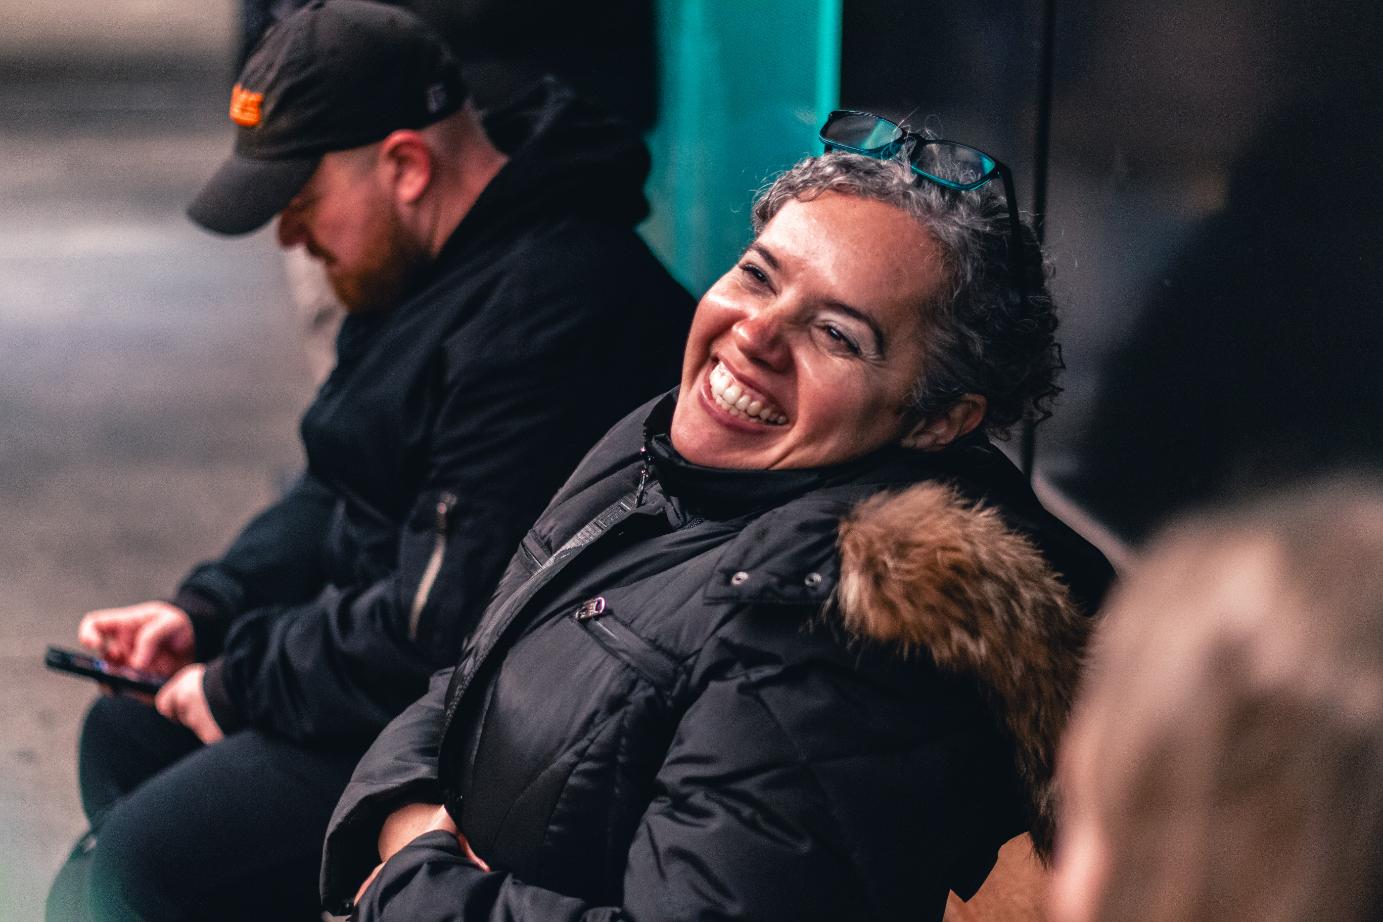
(764, 254)
(863, 317)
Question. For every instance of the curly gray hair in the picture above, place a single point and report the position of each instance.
(981, 337)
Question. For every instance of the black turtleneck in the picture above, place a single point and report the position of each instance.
(725, 493)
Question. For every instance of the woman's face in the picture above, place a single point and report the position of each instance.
(804, 354)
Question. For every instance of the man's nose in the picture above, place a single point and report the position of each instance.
(290, 229)
(761, 336)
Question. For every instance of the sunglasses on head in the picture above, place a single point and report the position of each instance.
(949, 164)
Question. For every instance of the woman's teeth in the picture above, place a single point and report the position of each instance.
(737, 400)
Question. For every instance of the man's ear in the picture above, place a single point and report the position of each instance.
(407, 162)
(936, 432)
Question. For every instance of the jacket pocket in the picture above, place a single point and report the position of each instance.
(658, 668)
(441, 526)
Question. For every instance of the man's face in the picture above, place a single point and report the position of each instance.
(346, 218)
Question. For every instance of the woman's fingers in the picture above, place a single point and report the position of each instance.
(404, 825)
(412, 820)
(470, 853)
(369, 880)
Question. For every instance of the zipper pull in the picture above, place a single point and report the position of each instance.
(643, 477)
(591, 608)
(445, 504)
(440, 525)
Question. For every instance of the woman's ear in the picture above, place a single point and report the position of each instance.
(936, 432)
(407, 161)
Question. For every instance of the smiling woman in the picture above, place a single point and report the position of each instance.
(805, 353)
(795, 641)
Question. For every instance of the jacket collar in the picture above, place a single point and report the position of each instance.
(566, 157)
(723, 493)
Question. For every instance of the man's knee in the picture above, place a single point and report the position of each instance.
(128, 870)
(101, 749)
(124, 742)
(67, 897)
(106, 725)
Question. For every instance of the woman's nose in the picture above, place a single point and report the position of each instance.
(760, 336)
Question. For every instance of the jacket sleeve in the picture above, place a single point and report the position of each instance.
(782, 797)
(509, 426)
(400, 767)
(276, 560)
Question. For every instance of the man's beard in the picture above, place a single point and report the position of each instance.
(387, 275)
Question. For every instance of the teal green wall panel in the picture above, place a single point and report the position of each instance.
(745, 84)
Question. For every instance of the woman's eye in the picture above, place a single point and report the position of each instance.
(756, 275)
(840, 339)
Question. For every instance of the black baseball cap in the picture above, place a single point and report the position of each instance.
(335, 75)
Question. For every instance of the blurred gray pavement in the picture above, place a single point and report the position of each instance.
(150, 381)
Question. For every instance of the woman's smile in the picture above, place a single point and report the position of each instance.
(740, 400)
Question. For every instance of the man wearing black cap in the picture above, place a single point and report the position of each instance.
(502, 314)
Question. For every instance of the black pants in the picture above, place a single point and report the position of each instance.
(185, 831)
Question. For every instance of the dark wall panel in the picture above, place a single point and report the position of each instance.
(1213, 215)
(968, 71)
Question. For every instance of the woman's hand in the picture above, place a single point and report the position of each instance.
(407, 823)
(410, 821)
(360, 894)
(183, 700)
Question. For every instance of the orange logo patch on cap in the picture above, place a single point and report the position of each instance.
(244, 106)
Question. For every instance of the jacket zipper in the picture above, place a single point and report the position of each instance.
(496, 622)
(618, 638)
(441, 524)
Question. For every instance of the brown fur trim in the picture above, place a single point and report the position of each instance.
(924, 570)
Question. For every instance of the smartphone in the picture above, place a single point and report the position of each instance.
(120, 677)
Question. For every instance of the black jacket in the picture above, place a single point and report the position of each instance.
(445, 427)
(707, 698)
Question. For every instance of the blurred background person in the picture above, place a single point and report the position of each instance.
(1225, 757)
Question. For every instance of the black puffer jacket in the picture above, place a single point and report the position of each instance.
(697, 699)
(446, 426)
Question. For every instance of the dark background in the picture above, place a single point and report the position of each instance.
(1212, 221)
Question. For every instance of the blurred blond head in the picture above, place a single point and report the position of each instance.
(1225, 759)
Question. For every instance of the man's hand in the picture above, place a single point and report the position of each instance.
(407, 823)
(151, 636)
(183, 701)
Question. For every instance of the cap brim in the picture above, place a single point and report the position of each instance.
(245, 194)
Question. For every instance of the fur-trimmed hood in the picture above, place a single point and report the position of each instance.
(928, 572)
